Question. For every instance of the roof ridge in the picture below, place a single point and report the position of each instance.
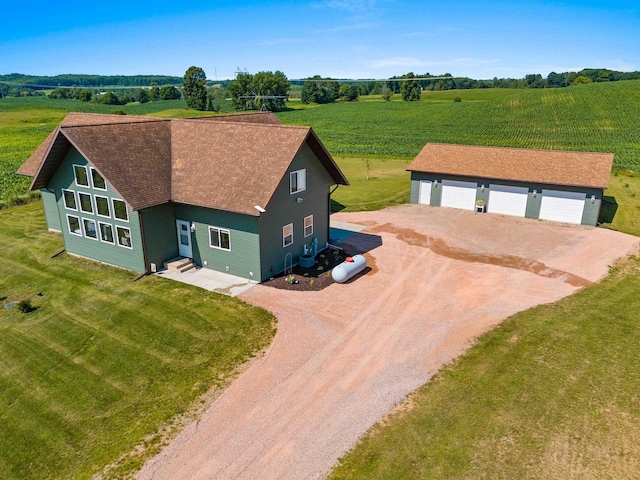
(201, 120)
(537, 149)
(106, 124)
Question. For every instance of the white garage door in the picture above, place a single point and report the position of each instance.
(508, 200)
(459, 194)
(559, 206)
(425, 192)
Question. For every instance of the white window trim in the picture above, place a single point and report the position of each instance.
(79, 224)
(91, 170)
(64, 200)
(95, 201)
(220, 230)
(90, 202)
(113, 209)
(304, 225)
(284, 236)
(117, 237)
(76, 177)
(113, 233)
(84, 230)
(302, 186)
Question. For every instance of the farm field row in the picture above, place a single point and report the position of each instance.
(103, 362)
(596, 117)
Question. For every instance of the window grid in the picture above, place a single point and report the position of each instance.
(287, 235)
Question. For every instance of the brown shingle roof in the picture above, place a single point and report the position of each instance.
(222, 165)
(252, 117)
(581, 169)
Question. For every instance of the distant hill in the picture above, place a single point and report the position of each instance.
(91, 81)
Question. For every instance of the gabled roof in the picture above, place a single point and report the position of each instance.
(580, 169)
(216, 164)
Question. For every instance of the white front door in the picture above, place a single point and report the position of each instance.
(184, 239)
(425, 192)
(508, 200)
(458, 194)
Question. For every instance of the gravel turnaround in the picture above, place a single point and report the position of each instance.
(345, 356)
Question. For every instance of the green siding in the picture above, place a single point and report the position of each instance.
(132, 259)
(51, 213)
(284, 208)
(160, 237)
(589, 217)
(244, 257)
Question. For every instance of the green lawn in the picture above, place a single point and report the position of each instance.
(551, 393)
(103, 361)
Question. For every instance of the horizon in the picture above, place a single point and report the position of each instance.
(342, 39)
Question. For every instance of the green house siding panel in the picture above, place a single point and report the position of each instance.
(52, 216)
(285, 208)
(244, 256)
(113, 254)
(160, 235)
(589, 217)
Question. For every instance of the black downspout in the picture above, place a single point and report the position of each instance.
(329, 216)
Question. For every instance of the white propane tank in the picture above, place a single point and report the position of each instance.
(350, 267)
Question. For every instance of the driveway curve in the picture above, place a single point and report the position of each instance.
(343, 357)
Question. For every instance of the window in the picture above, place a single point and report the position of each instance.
(120, 210)
(308, 225)
(219, 238)
(102, 206)
(287, 235)
(124, 237)
(298, 181)
(106, 232)
(74, 225)
(69, 198)
(85, 202)
(90, 228)
(80, 172)
(97, 180)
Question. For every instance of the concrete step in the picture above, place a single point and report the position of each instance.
(179, 264)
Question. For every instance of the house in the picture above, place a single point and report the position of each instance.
(546, 184)
(239, 194)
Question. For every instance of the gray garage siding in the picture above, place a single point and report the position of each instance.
(589, 216)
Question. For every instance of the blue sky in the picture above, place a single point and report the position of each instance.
(339, 38)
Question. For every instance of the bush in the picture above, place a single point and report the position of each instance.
(25, 306)
(457, 99)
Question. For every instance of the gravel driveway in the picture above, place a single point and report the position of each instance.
(343, 357)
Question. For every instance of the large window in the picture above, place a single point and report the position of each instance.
(102, 206)
(80, 172)
(298, 181)
(97, 180)
(120, 210)
(287, 235)
(106, 232)
(69, 198)
(85, 202)
(308, 225)
(124, 237)
(219, 238)
(90, 228)
(74, 225)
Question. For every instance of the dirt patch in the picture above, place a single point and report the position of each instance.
(440, 247)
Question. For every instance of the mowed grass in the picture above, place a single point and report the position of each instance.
(103, 362)
(598, 117)
(551, 393)
(373, 184)
(621, 208)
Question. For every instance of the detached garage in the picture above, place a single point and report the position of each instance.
(545, 184)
